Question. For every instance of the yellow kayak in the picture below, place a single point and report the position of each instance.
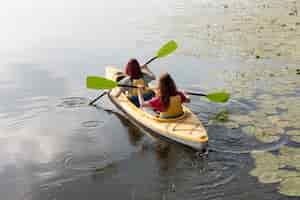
(186, 129)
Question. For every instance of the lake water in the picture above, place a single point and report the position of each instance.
(54, 146)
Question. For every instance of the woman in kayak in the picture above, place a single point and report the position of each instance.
(137, 75)
(169, 101)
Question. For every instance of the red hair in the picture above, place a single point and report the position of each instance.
(133, 69)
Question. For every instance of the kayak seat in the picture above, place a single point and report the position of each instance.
(172, 119)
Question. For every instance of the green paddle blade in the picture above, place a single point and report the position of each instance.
(98, 83)
(219, 97)
(166, 49)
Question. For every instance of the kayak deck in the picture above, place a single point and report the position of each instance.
(186, 129)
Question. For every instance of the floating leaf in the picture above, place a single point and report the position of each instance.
(265, 157)
(290, 186)
(269, 177)
(290, 156)
(295, 138)
(241, 119)
(284, 174)
(250, 130)
(231, 125)
(222, 116)
(273, 131)
(263, 137)
(283, 124)
(293, 132)
(275, 92)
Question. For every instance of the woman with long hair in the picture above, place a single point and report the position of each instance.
(137, 75)
(168, 101)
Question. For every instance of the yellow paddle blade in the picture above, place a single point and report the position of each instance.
(168, 48)
(98, 83)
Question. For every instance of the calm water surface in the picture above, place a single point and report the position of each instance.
(54, 146)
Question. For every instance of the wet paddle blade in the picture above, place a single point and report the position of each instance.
(219, 97)
(99, 83)
(166, 49)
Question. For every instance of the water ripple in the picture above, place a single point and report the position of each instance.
(73, 102)
(92, 123)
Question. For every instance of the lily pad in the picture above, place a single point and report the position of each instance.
(274, 119)
(222, 116)
(284, 174)
(257, 115)
(273, 131)
(269, 177)
(265, 97)
(265, 157)
(295, 124)
(283, 124)
(231, 125)
(293, 132)
(290, 186)
(266, 138)
(290, 156)
(277, 107)
(295, 138)
(282, 106)
(250, 130)
(241, 119)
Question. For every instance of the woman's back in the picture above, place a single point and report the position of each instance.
(169, 101)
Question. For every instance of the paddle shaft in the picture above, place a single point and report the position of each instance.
(190, 93)
(96, 99)
(129, 86)
(197, 94)
(149, 61)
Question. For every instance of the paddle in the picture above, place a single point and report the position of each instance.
(218, 97)
(165, 50)
(98, 83)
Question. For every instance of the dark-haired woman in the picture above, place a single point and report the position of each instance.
(137, 76)
(169, 101)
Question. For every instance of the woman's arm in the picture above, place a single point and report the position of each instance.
(125, 81)
(148, 72)
(141, 98)
(184, 97)
(120, 90)
(187, 100)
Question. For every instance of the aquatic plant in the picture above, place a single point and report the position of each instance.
(271, 169)
(222, 115)
(275, 94)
